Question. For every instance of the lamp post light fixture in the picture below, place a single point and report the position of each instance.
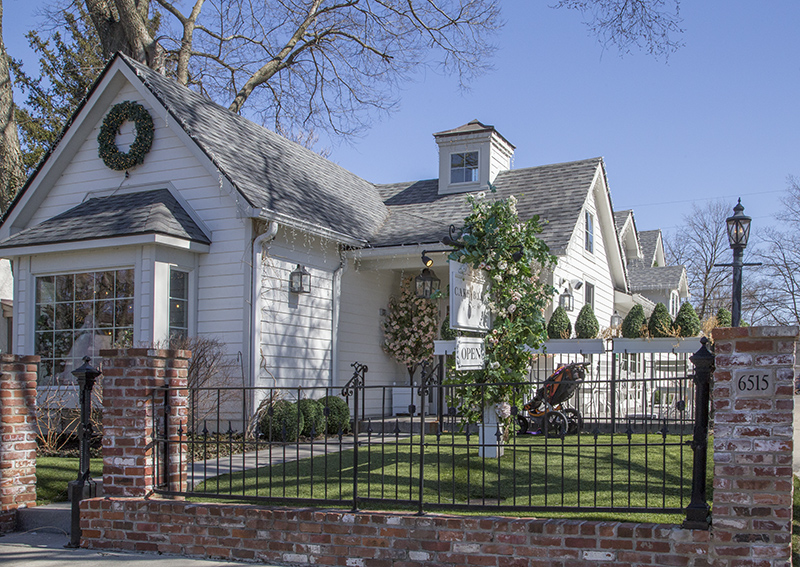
(566, 301)
(300, 280)
(426, 283)
(738, 235)
(616, 322)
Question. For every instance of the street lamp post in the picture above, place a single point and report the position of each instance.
(738, 227)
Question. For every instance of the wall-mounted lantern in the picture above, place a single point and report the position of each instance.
(616, 320)
(566, 301)
(300, 280)
(426, 283)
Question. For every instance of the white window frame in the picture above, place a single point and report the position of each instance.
(586, 295)
(184, 300)
(588, 232)
(477, 169)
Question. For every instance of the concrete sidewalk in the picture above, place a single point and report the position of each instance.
(42, 549)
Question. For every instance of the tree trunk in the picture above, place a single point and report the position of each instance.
(11, 170)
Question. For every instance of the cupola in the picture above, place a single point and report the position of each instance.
(471, 156)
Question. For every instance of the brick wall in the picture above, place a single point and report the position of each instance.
(17, 436)
(752, 502)
(753, 404)
(130, 413)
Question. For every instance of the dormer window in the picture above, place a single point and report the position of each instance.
(464, 167)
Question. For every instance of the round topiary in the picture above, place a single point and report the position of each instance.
(282, 422)
(687, 323)
(336, 414)
(724, 318)
(313, 418)
(586, 325)
(660, 324)
(634, 322)
(559, 326)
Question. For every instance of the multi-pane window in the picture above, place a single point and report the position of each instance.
(464, 167)
(589, 294)
(79, 314)
(674, 304)
(589, 240)
(178, 304)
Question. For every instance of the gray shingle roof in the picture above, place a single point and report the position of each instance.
(620, 217)
(647, 279)
(146, 212)
(557, 192)
(270, 171)
(648, 240)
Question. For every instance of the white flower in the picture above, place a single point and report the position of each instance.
(494, 365)
(503, 410)
(481, 195)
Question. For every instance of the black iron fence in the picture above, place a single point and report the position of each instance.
(625, 440)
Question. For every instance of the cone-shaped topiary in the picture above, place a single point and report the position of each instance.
(687, 323)
(586, 325)
(660, 324)
(724, 318)
(633, 323)
(313, 417)
(559, 326)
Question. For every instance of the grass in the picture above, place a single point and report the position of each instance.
(796, 523)
(53, 474)
(613, 472)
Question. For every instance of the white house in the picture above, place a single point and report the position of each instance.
(201, 238)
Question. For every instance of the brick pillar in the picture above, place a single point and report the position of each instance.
(130, 413)
(753, 404)
(17, 436)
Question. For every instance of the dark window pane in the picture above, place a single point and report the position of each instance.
(471, 160)
(456, 160)
(124, 337)
(44, 344)
(65, 288)
(104, 311)
(178, 284)
(63, 343)
(84, 286)
(105, 285)
(64, 315)
(45, 317)
(124, 313)
(124, 283)
(46, 377)
(45, 290)
(177, 314)
(84, 315)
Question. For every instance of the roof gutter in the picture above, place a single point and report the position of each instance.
(287, 221)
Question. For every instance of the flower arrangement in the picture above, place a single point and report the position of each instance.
(492, 239)
(410, 327)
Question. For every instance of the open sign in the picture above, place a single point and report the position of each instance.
(470, 353)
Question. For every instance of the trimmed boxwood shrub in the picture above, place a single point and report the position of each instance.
(660, 324)
(634, 322)
(559, 326)
(586, 325)
(282, 422)
(724, 318)
(687, 323)
(336, 414)
(313, 418)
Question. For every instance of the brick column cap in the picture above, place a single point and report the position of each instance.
(727, 333)
(145, 352)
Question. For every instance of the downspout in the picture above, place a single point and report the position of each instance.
(336, 299)
(255, 303)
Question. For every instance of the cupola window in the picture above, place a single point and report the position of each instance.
(464, 167)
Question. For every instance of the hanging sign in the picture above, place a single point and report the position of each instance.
(469, 294)
(470, 353)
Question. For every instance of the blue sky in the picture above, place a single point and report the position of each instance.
(719, 119)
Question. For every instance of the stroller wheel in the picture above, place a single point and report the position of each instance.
(556, 424)
(523, 423)
(574, 420)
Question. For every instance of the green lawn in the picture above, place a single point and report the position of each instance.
(53, 474)
(796, 524)
(613, 472)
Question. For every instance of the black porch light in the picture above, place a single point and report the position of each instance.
(300, 280)
(426, 283)
(566, 301)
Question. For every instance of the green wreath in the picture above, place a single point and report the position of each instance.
(107, 138)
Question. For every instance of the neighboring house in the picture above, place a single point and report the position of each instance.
(201, 238)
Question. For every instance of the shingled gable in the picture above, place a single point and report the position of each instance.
(557, 193)
(276, 177)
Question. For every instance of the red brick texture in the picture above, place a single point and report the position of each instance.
(133, 405)
(323, 537)
(753, 404)
(17, 436)
(751, 515)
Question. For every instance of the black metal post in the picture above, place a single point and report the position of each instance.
(83, 486)
(736, 295)
(697, 513)
(423, 393)
(355, 385)
(614, 361)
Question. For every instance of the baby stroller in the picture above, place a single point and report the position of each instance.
(545, 413)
